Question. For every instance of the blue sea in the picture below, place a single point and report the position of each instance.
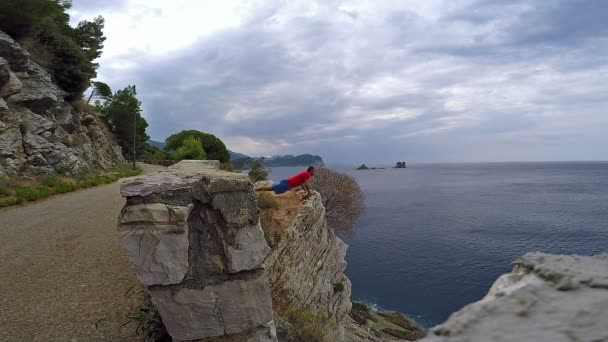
(434, 237)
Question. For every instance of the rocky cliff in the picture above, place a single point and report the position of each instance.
(216, 272)
(306, 264)
(39, 131)
(547, 298)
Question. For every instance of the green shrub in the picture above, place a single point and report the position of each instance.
(51, 185)
(307, 326)
(338, 287)
(267, 200)
(5, 202)
(258, 172)
(58, 186)
(4, 192)
(49, 181)
(191, 149)
(228, 167)
(34, 193)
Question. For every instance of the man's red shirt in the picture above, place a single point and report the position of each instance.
(298, 179)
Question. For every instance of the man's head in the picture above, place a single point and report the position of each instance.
(311, 170)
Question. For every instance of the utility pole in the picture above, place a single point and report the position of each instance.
(134, 136)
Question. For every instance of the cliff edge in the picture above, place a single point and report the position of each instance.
(40, 132)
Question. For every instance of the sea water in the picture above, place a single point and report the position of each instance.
(434, 237)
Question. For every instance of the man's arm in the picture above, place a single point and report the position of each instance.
(307, 189)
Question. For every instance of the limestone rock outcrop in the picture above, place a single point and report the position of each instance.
(193, 236)
(547, 298)
(306, 267)
(39, 131)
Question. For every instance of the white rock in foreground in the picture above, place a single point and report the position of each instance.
(552, 298)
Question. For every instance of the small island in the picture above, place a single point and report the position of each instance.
(400, 165)
(363, 167)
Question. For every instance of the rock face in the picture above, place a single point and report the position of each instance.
(306, 268)
(547, 297)
(40, 132)
(193, 235)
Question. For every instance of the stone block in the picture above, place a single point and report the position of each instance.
(246, 249)
(155, 184)
(157, 213)
(238, 208)
(228, 308)
(227, 182)
(155, 238)
(264, 333)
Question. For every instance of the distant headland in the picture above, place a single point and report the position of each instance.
(242, 161)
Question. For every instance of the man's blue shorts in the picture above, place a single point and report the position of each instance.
(280, 187)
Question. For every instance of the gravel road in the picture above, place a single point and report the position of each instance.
(63, 274)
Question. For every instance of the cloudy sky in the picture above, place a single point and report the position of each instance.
(368, 81)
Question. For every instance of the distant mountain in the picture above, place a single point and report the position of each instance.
(289, 160)
(158, 144)
(242, 163)
(236, 155)
(279, 161)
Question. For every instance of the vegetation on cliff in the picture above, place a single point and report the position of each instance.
(68, 53)
(342, 197)
(258, 171)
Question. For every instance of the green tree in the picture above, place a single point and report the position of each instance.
(191, 149)
(89, 36)
(66, 52)
(70, 68)
(100, 90)
(154, 153)
(118, 113)
(213, 146)
(258, 172)
(20, 18)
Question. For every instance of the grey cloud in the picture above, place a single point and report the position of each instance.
(311, 82)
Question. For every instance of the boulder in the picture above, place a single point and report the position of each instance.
(12, 51)
(193, 236)
(88, 120)
(225, 309)
(553, 298)
(155, 237)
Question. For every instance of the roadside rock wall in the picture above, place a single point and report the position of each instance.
(547, 298)
(193, 236)
(40, 132)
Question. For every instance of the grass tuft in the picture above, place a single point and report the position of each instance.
(5, 192)
(267, 200)
(145, 318)
(307, 326)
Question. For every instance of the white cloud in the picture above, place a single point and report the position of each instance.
(423, 79)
